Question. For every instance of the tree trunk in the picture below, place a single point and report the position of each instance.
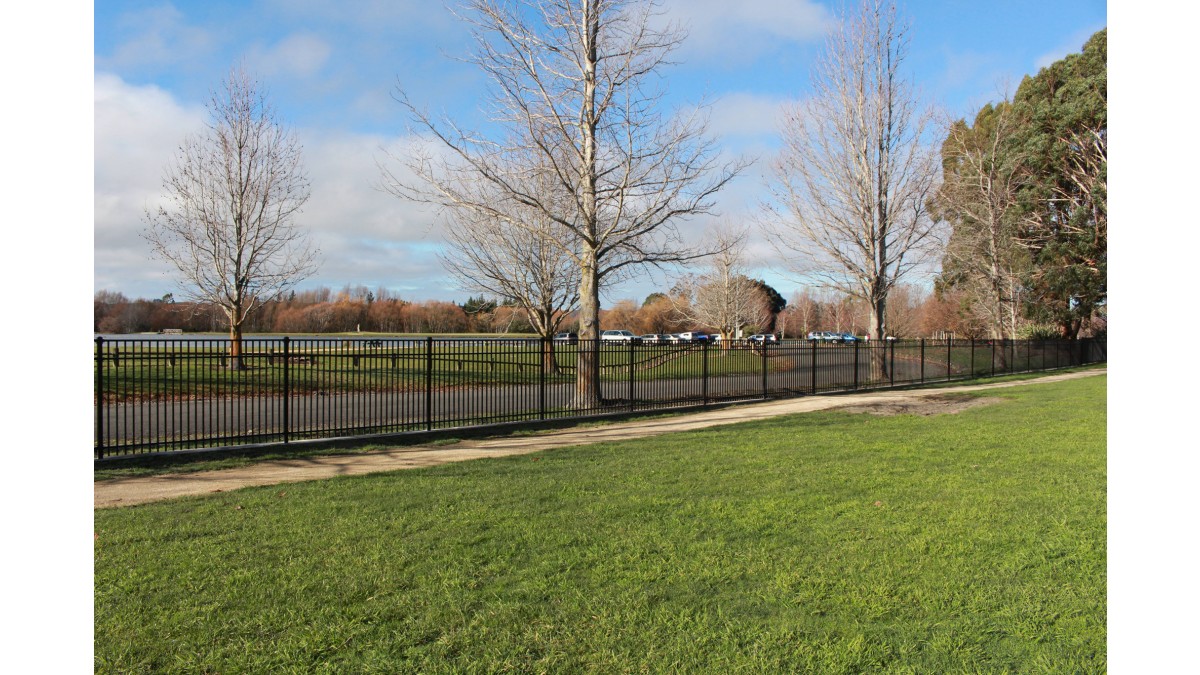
(235, 345)
(587, 371)
(549, 358)
(878, 328)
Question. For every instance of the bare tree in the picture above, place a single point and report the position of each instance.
(528, 265)
(852, 179)
(723, 297)
(232, 194)
(982, 175)
(573, 89)
(904, 310)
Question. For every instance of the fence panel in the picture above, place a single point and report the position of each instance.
(163, 395)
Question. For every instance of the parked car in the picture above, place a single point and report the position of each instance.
(620, 336)
(825, 336)
(847, 338)
(654, 339)
(569, 338)
(693, 336)
(764, 337)
(674, 338)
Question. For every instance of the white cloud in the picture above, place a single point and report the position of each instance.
(367, 236)
(743, 114)
(736, 32)
(298, 55)
(159, 36)
(137, 130)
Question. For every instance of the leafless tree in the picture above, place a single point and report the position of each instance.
(904, 310)
(530, 265)
(851, 182)
(574, 89)
(232, 194)
(981, 178)
(723, 297)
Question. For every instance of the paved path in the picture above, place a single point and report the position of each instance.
(139, 490)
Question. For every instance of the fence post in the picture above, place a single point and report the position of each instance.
(992, 342)
(287, 387)
(812, 345)
(764, 367)
(704, 371)
(631, 375)
(892, 364)
(922, 360)
(856, 364)
(429, 383)
(99, 397)
(971, 375)
(949, 362)
(542, 379)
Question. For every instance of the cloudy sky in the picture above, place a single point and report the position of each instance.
(331, 70)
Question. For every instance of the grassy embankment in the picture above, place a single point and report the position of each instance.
(827, 542)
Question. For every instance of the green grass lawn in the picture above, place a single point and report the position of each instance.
(826, 542)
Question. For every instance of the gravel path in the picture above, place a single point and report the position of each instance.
(139, 490)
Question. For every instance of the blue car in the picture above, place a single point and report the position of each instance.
(847, 338)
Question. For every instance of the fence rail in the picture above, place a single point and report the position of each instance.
(181, 394)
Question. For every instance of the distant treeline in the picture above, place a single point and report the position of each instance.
(912, 312)
(315, 311)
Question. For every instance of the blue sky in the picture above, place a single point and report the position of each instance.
(331, 69)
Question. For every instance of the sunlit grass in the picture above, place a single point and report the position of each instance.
(824, 542)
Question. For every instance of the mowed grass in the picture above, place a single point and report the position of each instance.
(829, 542)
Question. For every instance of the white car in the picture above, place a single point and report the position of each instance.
(620, 336)
(693, 336)
(767, 337)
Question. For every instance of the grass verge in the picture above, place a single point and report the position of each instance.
(824, 542)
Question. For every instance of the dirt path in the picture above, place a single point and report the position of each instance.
(130, 491)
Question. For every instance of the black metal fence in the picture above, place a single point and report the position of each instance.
(163, 395)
